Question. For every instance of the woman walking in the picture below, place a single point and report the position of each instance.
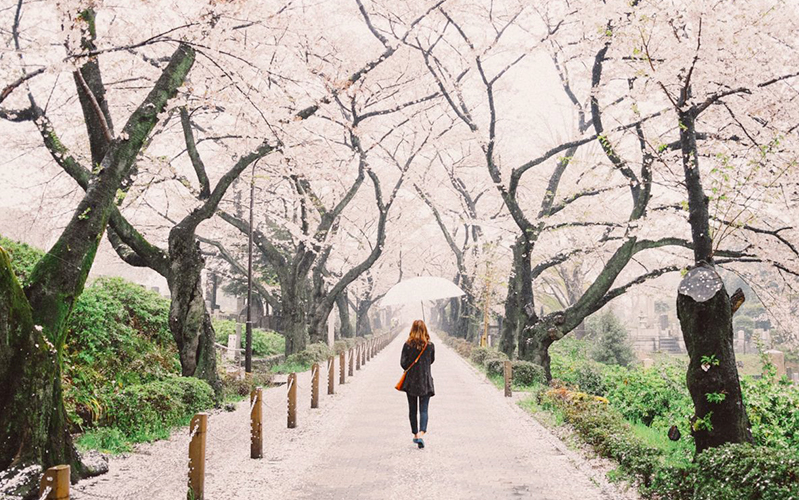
(418, 354)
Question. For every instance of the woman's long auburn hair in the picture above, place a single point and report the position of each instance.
(418, 336)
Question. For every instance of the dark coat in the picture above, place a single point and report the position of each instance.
(419, 381)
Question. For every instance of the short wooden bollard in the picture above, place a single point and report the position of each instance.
(331, 374)
(256, 423)
(352, 362)
(508, 378)
(363, 353)
(357, 357)
(342, 366)
(368, 350)
(197, 431)
(54, 484)
(291, 422)
(315, 386)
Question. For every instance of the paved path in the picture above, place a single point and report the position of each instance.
(477, 446)
(358, 446)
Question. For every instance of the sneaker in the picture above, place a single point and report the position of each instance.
(420, 443)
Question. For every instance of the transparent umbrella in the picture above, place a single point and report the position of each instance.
(421, 289)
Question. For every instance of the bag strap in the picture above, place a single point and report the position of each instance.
(418, 357)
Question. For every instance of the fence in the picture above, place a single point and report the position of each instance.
(55, 481)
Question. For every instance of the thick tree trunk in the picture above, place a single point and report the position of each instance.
(703, 308)
(293, 319)
(363, 326)
(189, 320)
(344, 315)
(520, 315)
(33, 422)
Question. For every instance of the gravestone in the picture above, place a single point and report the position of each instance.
(230, 353)
(648, 362)
(777, 359)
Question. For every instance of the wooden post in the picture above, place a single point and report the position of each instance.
(368, 350)
(197, 429)
(358, 357)
(315, 386)
(57, 479)
(292, 399)
(342, 366)
(331, 373)
(352, 362)
(508, 378)
(256, 423)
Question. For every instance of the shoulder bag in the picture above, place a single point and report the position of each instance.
(402, 379)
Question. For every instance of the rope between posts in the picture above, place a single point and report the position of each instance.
(228, 348)
(46, 492)
(288, 386)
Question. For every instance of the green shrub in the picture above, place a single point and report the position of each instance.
(773, 411)
(526, 373)
(744, 472)
(495, 366)
(656, 397)
(118, 335)
(340, 346)
(611, 340)
(589, 377)
(731, 472)
(314, 353)
(149, 410)
(479, 354)
(264, 342)
(495, 355)
(462, 347)
(23, 258)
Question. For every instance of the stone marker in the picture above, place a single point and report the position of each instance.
(648, 362)
(777, 359)
(230, 353)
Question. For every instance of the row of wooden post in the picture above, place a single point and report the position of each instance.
(54, 484)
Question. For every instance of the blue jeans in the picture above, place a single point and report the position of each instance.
(419, 404)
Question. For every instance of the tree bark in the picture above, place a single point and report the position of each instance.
(343, 305)
(189, 320)
(363, 326)
(703, 308)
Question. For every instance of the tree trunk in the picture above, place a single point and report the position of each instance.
(362, 325)
(33, 423)
(520, 315)
(293, 319)
(344, 315)
(189, 320)
(703, 308)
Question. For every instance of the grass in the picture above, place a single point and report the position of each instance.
(112, 441)
(676, 453)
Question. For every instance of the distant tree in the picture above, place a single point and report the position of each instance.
(611, 340)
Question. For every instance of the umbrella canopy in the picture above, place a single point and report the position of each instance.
(422, 288)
